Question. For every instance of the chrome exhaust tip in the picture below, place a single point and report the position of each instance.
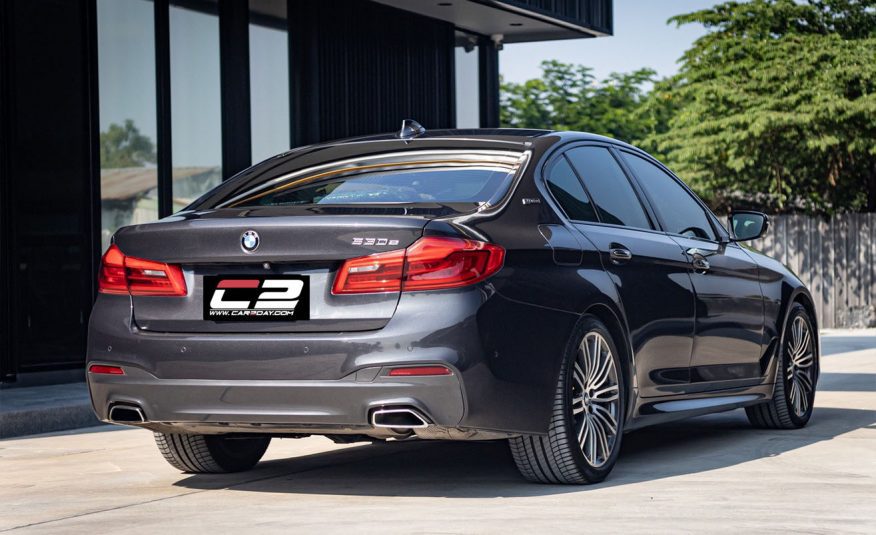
(126, 414)
(400, 418)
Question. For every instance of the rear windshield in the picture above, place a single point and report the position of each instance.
(454, 178)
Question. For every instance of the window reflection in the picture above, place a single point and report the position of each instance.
(126, 71)
(196, 121)
(269, 78)
(468, 110)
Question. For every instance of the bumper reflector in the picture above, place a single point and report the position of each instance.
(106, 370)
(420, 371)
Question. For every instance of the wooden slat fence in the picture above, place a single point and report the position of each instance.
(835, 258)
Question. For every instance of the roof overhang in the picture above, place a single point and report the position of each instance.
(514, 20)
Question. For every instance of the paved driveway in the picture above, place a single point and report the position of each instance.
(708, 474)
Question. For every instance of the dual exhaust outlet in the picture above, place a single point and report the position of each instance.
(124, 413)
(399, 418)
(391, 418)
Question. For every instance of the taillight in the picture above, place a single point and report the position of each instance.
(120, 274)
(437, 263)
(430, 263)
(380, 272)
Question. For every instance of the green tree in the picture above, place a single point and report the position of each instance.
(125, 146)
(568, 97)
(775, 106)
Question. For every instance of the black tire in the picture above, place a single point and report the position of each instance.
(780, 412)
(558, 457)
(211, 454)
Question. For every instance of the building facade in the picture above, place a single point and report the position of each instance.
(114, 112)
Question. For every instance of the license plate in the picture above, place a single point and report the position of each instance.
(256, 298)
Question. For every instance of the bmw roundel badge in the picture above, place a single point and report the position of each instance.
(249, 240)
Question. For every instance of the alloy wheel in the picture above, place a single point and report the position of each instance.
(595, 399)
(800, 366)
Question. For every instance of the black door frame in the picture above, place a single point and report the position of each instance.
(88, 195)
(7, 363)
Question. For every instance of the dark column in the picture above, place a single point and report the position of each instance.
(488, 69)
(303, 72)
(50, 180)
(162, 94)
(93, 100)
(6, 365)
(360, 68)
(234, 61)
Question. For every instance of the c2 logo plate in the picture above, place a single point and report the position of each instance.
(256, 298)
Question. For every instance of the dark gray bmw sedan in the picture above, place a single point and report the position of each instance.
(554, 289)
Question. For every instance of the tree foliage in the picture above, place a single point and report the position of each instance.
(568, 97)
(124, 146)
(774, 108)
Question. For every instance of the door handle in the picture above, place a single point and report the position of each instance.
(698, 259)
(701, 264)
(620, 255)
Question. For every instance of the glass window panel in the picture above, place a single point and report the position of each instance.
(680, 212)
(126, 72)
(569, 192)
(468, 107)
(430, 185)
(616, 201)
(269, 78)
(196, 119)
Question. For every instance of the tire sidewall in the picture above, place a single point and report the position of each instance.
(586, 325)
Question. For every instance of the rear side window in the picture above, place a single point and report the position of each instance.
(680, 212)
(616, 201)
(568, 191)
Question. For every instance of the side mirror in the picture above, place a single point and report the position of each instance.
(747, 225)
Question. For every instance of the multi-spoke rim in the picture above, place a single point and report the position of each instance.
(595, 399)
(801, 366)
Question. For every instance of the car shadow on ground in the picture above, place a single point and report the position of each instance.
(486, 469)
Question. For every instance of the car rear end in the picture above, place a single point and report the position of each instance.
(311, 297)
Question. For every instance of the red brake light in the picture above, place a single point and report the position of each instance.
(112, 278)
(436, 263)
(106, 370)
(430, 263)
(120, 274)
(381, 272)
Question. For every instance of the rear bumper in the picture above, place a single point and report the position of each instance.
(337, 406)
(323, 383)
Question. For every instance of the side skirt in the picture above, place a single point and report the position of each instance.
(652, 411)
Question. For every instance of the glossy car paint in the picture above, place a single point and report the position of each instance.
(692, 342)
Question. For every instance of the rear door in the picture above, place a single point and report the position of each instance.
(649, 269)
(729, 324)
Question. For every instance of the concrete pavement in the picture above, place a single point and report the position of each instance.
(40, 409)
(708, 474)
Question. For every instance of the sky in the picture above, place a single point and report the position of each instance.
(641, 39)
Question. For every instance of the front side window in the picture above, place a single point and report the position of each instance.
(568, 191)
(616, 201)
(680, 212)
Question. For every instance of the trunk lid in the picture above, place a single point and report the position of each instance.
(309, 242)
